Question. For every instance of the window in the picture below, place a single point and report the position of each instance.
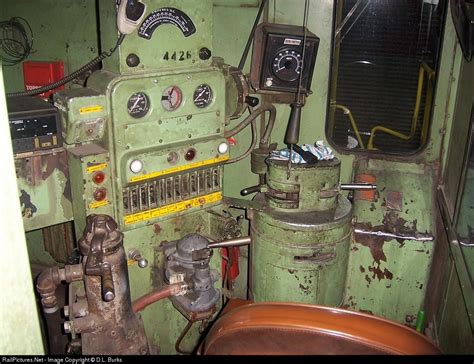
(385, 57)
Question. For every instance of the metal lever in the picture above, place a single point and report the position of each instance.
(95, 265)
(358, 186)
(249, 190)
(292, 134)
(347, 186)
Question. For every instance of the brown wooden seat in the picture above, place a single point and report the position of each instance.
(298, 329)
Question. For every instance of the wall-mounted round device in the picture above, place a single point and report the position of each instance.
(138, 105)
(171, 98)
(287, 65)
(202, 96)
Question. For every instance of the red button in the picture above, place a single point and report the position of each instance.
(98, 177)
(100, 194)
(190, 154)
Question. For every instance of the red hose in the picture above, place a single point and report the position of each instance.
(152, 297)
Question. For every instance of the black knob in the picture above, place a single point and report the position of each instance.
(205, 53)
(132, 60)
(252, 101)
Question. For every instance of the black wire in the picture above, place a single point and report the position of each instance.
(16, 41)
(72, 76)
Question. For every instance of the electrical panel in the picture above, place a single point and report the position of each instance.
(279, 62)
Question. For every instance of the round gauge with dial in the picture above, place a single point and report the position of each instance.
(203, 96)
(138, 105)
(287, 65)
(171, 98)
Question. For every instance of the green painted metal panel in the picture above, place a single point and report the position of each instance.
(455, 331)
(388, 277)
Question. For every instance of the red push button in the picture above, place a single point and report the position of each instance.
(100, 194)
(98, 177)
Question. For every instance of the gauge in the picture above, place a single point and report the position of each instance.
(202, 96)
(171, 98)
(138, 105)
(287, 65)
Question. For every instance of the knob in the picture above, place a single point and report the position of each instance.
(251, 101)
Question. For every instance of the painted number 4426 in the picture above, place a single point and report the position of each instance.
(177, 56)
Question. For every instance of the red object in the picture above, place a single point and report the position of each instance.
(190, 154)
(100, 194)
(37, 74)
(234, 256)
(98, 178)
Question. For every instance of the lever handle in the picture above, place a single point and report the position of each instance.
(108, 289)
(249, 190)
(292, 134)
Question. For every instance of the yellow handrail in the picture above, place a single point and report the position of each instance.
(424, 68)
(352, 120)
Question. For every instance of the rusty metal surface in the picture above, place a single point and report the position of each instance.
(59, 241)
(296, 329)
(106, 326)
(43, 188)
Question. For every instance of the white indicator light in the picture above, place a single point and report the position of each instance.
(136, 166)
(223, 148)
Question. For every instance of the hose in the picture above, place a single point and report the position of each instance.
(249, 150)
(251, 120)
(155, 296)
(72, 76)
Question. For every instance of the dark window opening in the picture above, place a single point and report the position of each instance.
(385, 58)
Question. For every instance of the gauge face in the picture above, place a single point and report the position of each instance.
(202, 96)
(171, 98)
(287, 65)
(138, 105)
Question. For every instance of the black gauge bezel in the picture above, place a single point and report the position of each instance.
(202, 104)
(142, 111)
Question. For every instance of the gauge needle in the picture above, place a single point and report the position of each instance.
(170, 97)
(135, 104)
(200, 94)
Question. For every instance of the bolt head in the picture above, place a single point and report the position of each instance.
(143, 263)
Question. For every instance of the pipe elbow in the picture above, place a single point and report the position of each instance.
(46, 285)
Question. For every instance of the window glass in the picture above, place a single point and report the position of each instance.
(385, 57)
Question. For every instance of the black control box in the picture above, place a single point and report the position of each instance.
(34, 124)
(279, 61)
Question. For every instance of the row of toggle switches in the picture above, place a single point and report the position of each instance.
(168, 190)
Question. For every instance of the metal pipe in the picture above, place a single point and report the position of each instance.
(152, 297)
(358, 186)
(246, 240)
(416, 236)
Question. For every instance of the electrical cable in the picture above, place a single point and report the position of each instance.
(73, 75)
(243, 59)
(16, 41)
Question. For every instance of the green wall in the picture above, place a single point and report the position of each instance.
(63, 30)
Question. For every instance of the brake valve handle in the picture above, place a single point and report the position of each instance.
(100, 236)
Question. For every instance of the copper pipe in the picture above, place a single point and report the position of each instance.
(152, 297)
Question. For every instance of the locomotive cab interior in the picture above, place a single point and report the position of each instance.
(237, 177)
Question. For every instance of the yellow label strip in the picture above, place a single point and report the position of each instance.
(179, 169)
(96, 167)
(177, 207)
(96, 205)
(90, 109)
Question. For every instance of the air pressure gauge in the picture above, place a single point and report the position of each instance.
(171, 98)
(138, 105)
(202, 96)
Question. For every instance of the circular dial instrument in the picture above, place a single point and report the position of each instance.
(287, 65)
(138, 105)
(171, 98)
(202, 96)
